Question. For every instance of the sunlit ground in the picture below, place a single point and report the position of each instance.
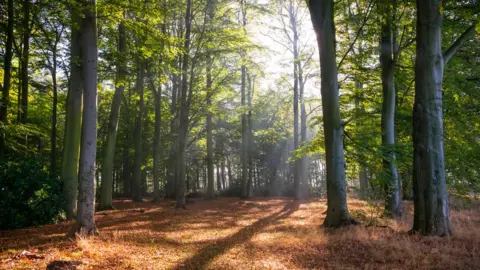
(254, 234)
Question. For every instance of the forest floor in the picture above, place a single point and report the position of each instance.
(261, 233)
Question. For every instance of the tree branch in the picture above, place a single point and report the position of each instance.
(447, 55)
(359, 31)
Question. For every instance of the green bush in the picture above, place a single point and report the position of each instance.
(29, 196)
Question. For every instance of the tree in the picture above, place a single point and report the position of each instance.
(393, 203)
(321, 13)
(431, 204)
(24, 61)
(109, 151)
(6, 78)
(73, 119)
(52, 29)
(184, 112)
(210, 189)
(85, 222)
(138, 133)
(244, 155)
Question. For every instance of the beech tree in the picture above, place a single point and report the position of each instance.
(432, 210)
(85, 222)
(73, 119)
(321, 13)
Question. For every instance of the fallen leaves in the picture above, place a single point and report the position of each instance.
(232, 234)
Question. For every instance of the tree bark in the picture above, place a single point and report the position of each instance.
(53, 137)
(250, 138)
(109, 151)
(24, 61)
(184, 113)
(85, 222)
(432, 213)
(138, 134)
(321, 12)
(7, 66)
(157, 144)
(244, 149)
(393, 199)
(170, 187)
(304, 160)
(73, 120)
(210, 183)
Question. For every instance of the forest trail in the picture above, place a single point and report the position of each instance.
(262, 233)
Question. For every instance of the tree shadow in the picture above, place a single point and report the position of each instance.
(205, 255)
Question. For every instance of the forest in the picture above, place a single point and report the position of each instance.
(242, 134)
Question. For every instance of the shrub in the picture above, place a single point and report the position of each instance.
(29, 196)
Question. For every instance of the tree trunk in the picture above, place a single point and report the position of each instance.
(109, 151)
(230, 174)
(157, 145)
(224, 182)
(244, 148)
(321, 12)
(126, 173)
(85, 222)
(170, 187)
(210, 183)
(244, 156)
(7, 66)
(219, 181)
(24, 61)
(73, 121)
(53, 138)
(250, 139)
(297, 165)
(304, 161)
(393, 200)
(184, 113)
(138, 134)
(432, 213)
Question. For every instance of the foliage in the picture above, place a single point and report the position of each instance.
(29, 196)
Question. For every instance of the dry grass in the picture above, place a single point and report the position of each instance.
(254, 234)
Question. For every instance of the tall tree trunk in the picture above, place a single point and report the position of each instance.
(85, 222)
(321, 12)
(170, 187)
(297, 165)
(157, 144)
(244, 149)
(304, 160)
(210, 183)
(24, 60)
(393, 201)
(250, 139)
(109, 151)
(244, 155)
(432, 213)
(73, 120)
(138, 134)
(7, 67)
(53, 138)
(184, 113)
(362, 175)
